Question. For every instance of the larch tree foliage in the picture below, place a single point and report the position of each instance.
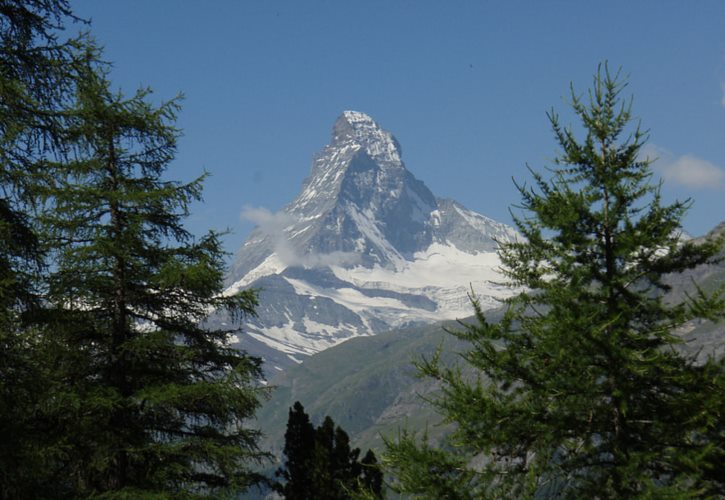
(581, 390)
(147, 400)
(36, 81)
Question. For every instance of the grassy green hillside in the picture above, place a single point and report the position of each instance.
(367, 385)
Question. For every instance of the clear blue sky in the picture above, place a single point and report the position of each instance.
(463, 85)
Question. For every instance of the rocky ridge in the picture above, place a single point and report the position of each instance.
(364, 248)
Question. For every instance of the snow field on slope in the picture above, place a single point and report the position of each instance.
(271, 265)
(290, 341)
(439, 266)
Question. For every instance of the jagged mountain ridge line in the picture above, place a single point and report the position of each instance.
(364, 248)
(342, 181)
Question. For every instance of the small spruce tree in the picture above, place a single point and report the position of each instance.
(320, 465)
(299, 448)
(581, 390)
(371, 477)
(345, 466)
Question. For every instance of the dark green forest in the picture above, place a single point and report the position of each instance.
(112, 385)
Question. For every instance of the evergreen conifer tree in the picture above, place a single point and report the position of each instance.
(371, 477)
(345, 466)
(321, 473)
(580, 389)
(299, 449)
(36, 78)
(320, 464)
(36, 81)
(146, 399)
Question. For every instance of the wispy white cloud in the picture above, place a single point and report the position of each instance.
(686, 170)
(692, 171)
(276, 225)
(267, 221)
(273, 225)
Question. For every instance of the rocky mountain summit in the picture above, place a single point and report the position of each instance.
(364, 248)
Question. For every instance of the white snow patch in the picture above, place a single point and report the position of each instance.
(435, 218)
(440, 265)
(443, 273)
(290, 341)
(315, 327)
(297, 232)
(271, 265)
(348, 297)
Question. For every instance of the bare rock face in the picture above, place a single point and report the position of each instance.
(364, 248)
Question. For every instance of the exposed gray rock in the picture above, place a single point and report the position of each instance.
(360, 206)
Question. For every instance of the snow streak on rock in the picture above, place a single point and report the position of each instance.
(365, 247)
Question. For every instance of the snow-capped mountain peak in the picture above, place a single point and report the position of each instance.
(354, 128)
(364, 248)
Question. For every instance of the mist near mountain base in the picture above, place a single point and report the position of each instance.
(273, 225)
